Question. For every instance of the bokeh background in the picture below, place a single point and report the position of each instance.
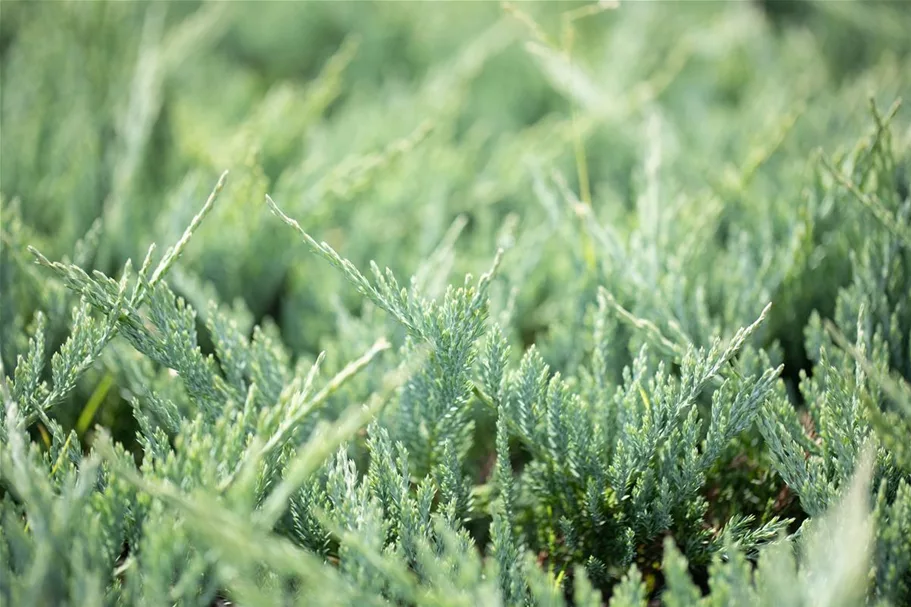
(383, 127)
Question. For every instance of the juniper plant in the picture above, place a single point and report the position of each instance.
(637, 330)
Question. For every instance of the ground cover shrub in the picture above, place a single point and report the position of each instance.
(455, 304)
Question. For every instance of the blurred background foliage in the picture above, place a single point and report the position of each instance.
(384, 126)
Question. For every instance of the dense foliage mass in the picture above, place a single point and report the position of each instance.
(655, 345)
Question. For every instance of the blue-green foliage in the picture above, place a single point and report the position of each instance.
(638, 328)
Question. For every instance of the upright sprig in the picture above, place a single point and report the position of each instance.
(432, 415)
(115, 300)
